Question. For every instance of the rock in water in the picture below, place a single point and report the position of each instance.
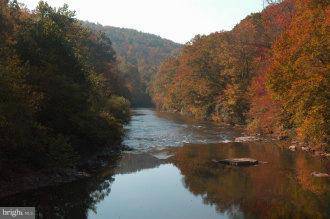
(305, 148)
(246, 139)
(316, 174)
(292, 148)
(238, 161)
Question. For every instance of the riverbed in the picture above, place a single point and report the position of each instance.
(170, 173)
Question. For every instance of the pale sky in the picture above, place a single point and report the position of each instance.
(177, 20)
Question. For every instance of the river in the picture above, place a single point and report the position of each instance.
(170, 174)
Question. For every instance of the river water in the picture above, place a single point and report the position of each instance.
(170, 174)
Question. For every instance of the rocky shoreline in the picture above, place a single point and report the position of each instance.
(298, 146)
(294, 145)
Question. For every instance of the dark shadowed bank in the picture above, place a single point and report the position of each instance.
(60, 97)
(20, 182)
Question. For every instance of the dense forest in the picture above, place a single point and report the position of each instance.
(60, 89)
(65, 83)
(94, 118)
(270, 73)
(139, 55)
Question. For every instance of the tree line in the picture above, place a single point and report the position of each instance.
(270, 73)
(139, 55)
(60, 90)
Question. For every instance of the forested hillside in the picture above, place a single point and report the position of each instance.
(59, 89)
(139, 55)
(270, 73)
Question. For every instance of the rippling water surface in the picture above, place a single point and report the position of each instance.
(149, 129)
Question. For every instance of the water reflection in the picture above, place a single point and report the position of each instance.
(282, 188)
(153, 193)
(134, 162)
(70, 200)
(189, 185)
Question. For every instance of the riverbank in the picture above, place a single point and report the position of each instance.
(247, 135)
(23, 180)
(172, 166)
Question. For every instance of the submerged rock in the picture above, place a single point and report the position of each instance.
(238, 161)
(317, 174)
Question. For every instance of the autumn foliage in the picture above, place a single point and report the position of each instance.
(270, 73)
(299, 76)
(58, 89)
(138, 54)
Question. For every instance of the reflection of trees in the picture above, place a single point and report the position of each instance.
(131, 163)
(71, 200)
(269, 190)
(303, 172)
(74, 200)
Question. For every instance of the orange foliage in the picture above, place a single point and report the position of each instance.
(299, 71)
(268, 73)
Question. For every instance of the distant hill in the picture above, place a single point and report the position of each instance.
(139, 55)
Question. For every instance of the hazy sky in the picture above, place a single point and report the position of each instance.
(178, 20)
